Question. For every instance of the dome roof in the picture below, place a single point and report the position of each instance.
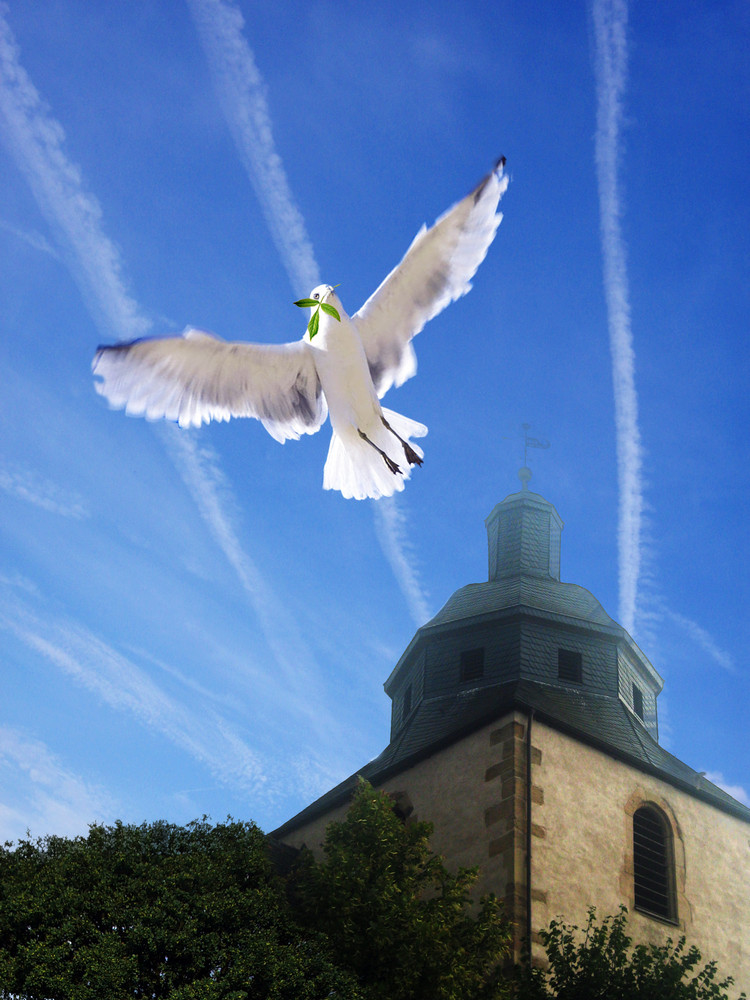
(533, 592)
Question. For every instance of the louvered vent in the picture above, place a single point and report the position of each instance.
(569, 665)
(472, 664)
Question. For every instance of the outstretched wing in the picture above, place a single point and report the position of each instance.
(197, 377)
(436, 270)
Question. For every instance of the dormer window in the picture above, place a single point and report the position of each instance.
(638, 701)
(569, 666)
(406, 704)
(472, 665)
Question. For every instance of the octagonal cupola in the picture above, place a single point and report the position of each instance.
(523, 634)
(523, 535)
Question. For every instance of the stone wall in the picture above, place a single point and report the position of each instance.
(474, 794)
(582, 805)
(586, 853)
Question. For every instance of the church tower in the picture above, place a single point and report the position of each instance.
(524, 725)
(527, 630)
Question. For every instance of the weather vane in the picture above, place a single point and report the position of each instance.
(530, 442)
(524, 474)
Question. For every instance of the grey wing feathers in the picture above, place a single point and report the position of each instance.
(197, 377)
(436, 270)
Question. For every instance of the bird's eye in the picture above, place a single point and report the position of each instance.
(316, 296)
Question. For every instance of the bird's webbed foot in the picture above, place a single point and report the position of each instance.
(411, 456)
(395, 469)
(388, 461)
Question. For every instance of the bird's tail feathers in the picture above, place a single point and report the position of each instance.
(405, 427)
(359, 471)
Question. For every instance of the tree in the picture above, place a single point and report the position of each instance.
(394, 915)
(602, 966)
(193, 913)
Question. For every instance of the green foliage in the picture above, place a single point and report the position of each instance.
(313, 325)
(190, 913)
(197, 913)
(602, 966)
(393, 913)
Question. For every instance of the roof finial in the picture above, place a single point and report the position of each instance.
(524, 474)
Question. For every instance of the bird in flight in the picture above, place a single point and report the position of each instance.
(342, 370)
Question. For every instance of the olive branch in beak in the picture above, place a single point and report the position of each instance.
(312, 326)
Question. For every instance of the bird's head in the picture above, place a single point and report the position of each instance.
(322, 297)
(326, 293)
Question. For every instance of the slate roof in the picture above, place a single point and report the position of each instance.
(554, 601)
(548, 595)
(600, 721)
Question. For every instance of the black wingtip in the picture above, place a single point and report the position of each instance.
(121, 348)
(497, 169)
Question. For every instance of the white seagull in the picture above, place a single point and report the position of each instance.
(342, 370)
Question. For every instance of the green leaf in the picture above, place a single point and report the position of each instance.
(307, 303)
(312, 326)
(330, 310)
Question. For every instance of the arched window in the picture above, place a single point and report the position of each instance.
(653, 864)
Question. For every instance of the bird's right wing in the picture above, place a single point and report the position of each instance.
(437, 269)
(197, 377)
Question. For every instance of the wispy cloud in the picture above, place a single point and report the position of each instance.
(121, 684)
(37, 142)
(242, 95)
(610, 28)
(33, 239)
(27, 485)
(209, 694)
(19, 582)
(53, 799)
(390, 524)
(703, 639)
(736, 791)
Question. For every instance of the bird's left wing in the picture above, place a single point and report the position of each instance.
(436, 270)
(197, 377)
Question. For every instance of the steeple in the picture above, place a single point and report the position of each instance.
(523, 535)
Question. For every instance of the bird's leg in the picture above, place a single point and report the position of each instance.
(388, 461)
(411, 456)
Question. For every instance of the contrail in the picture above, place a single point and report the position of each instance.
(390, 525)
(241, 93)
(610, 29)
(199, 468)
(37, 142)
(610, 24)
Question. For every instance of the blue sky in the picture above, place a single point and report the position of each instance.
(189, 624)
